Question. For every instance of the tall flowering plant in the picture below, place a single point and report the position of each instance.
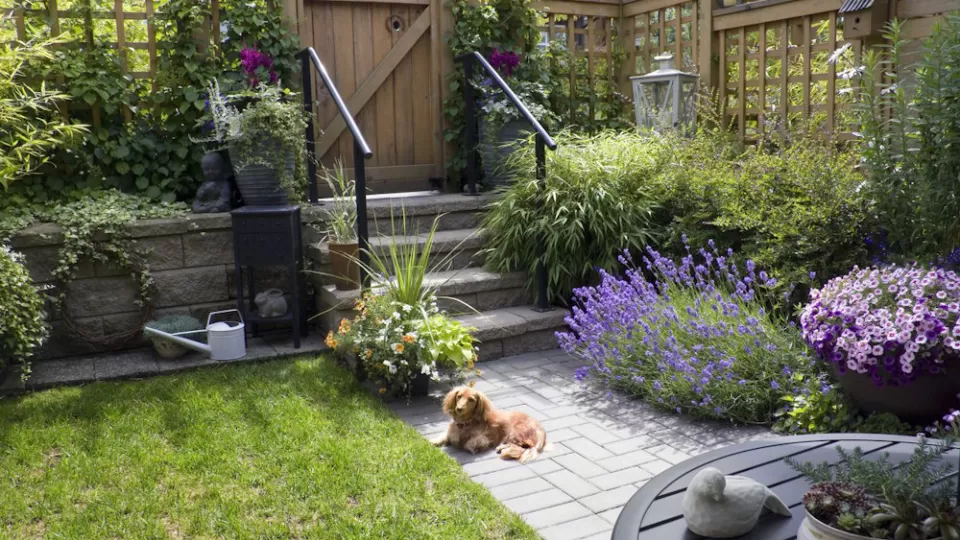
(396, 342)
(892, 323)
(692, 336)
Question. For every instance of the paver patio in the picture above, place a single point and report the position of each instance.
(602, 446)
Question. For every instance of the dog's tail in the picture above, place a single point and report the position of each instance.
(531, 453)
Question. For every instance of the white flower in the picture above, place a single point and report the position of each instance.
(425, 369)
(392, 368)
(406, 308)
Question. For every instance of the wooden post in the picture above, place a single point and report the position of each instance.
(709, 46)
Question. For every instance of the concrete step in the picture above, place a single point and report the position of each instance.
(452, 249)
(455, 211)
(515, 330)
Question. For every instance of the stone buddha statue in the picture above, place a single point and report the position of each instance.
(216, 192)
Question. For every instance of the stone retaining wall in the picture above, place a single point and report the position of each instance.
(190, 259)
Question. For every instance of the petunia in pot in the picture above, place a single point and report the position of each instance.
(893, 337)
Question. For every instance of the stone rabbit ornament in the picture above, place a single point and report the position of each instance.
(718, 506)
(271, 303)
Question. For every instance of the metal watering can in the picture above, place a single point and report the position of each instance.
(225, 339)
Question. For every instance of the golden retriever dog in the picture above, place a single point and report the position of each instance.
(477, 427)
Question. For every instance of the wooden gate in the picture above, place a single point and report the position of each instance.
(384, 56)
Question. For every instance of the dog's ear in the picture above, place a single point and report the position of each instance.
(484, 405)
(450, 401)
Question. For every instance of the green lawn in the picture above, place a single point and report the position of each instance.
(283, 449)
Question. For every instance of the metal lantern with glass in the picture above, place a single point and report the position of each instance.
(666, 98)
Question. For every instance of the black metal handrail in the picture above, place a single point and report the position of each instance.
(361, 150)
(543, 139)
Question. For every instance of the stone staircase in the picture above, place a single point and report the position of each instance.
(504, 317)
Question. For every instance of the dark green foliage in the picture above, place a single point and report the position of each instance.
(151, 154)
(173, 324)
(819, 410)
(594, 203)
(23, 325)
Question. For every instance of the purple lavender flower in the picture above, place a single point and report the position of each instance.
(257, 65)
(504, 61)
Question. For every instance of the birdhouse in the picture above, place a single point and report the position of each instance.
(665, 98)
(863, 18)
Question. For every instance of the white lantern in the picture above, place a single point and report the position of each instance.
(666, 98)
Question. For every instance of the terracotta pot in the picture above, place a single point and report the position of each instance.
(343, 265)
(921, 401)
(814, 529)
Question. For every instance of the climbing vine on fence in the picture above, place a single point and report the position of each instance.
(139, 141)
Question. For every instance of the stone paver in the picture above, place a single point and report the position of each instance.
(601, 447)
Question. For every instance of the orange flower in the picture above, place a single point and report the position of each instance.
(408, 339)
(368, 353)
(331, 341)
(382, 391)
(344, 326)
(397, 348)
(471, 384)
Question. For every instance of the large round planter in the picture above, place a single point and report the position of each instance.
(344, 267)
(920, 402)
(259, 186)
(814, 529)
(496, 148)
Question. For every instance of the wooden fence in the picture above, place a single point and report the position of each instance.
(772, 62)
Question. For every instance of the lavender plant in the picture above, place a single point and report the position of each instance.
(694, 337)
(892, 323)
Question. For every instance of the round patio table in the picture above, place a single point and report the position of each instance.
(655, 512)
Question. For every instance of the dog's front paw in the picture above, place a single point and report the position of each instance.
(439, 442)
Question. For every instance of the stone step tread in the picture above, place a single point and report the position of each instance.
(428, 205)
(448, 283)
(513, 321)
(443, 242)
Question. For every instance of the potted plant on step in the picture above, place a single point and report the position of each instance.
(341, 229)
(864, 498)
(893, 336)
(399, 336)
(501, 125)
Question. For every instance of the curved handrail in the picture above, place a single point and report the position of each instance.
(547, 139)
(341, 106)
(361, 150)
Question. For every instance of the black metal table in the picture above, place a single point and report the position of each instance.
(655, 512)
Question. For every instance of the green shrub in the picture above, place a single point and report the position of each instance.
(594, 202)
(23, 325)
(174, 324)
(818, 408)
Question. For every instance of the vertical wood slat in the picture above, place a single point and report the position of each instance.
(422, 117)
(742, 89)
(722, 73)
(215, 24)
(678, 35)
(832, 76)
(608, 28)
(762, 98)
(20, 22)
(709, 44)
(695, 36)
(662, 42)
(53, 12)
(151, 44)
(439, 81)
(572, 52)
(589, 45)
(784, 75)
(122, 49)
(806, 66)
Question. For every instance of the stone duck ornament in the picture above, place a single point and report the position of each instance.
(718, 506)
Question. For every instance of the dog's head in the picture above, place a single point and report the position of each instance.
(464, 403)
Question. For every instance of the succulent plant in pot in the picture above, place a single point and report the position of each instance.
(893, 336)
(174, 324)
(864, 497)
